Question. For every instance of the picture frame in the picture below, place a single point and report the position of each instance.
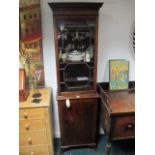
(118, 74)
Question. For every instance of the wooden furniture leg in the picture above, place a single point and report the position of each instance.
(108, 148)
(109, 140)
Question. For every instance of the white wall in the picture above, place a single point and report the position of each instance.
(116, 21)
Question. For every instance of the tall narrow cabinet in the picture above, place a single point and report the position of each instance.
(76, 40)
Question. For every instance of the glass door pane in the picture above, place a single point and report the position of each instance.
(76, 47)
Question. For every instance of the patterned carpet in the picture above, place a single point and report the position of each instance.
(125, 147)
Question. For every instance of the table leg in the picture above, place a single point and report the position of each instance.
(108, 148)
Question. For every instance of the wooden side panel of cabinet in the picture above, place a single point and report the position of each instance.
(79, 122)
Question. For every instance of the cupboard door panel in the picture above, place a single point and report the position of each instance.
(78, 122)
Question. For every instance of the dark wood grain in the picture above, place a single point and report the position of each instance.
(117, 113)
(75, 9)
(79, 123)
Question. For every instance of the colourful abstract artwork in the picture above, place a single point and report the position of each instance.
(30, 39)
(118, 75)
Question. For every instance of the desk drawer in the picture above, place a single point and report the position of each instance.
(31, 113)
(31, 124)
(34, 150)
(33, 138)
(123, 127)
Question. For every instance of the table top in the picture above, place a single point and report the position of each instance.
(118, 101)
(45, 99)
(122, 101)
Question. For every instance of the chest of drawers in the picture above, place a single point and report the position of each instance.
(35, 130)
(117, 113)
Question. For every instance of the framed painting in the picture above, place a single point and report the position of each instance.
(30, 39)
(118, 74)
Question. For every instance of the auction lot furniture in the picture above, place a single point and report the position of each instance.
(117, 113)
(35, 130)
(76, 44)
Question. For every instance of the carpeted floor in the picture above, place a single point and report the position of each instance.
(125, 147)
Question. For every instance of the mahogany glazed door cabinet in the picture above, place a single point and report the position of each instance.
(76, 35)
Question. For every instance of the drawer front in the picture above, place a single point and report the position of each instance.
(35, 150)
(21, 113)
(123, 127)
(32, 138)
(31, 124)
(31, 113)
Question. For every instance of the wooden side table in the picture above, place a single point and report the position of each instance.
(117, 113)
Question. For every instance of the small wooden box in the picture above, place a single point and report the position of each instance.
(23, 89)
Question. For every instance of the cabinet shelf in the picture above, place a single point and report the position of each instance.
(64, 64)
(78, 80)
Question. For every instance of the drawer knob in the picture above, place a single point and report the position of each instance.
(25, 115)
(130, 126)
(27, 127)
(29, 141)
(32, 153)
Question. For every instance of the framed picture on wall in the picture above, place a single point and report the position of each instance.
(118, 74)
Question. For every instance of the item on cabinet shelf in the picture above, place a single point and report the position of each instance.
(60, 54)
(64, 57)
(82, 78)
(36, 100)
(23, 87)
(89, 54)
(75, 56)
(68, 47)
(117, 113)
(119, 74)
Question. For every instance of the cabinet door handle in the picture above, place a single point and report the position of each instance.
(130, 126)
(29, 141)
(27, 127)
(68, 104)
